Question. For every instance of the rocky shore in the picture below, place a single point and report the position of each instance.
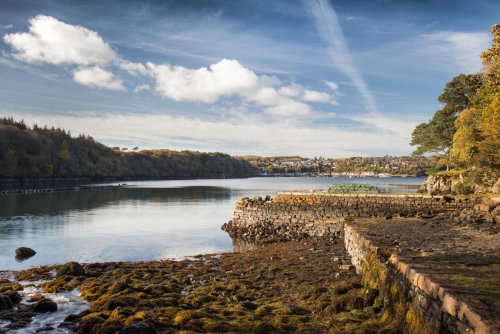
(324, 264)
(306, 286)
(434, 259)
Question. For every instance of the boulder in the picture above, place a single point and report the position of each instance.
(5, 302)
(72, 269)
(14, 297)
(138, 328)
(44, 305)
(23, 253)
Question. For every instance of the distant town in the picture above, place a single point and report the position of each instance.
(342, 167)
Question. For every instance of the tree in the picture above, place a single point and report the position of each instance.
(477, 139)
(436, 136)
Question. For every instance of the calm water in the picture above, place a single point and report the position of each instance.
(143, 221)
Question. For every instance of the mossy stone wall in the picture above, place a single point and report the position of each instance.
(292, 216)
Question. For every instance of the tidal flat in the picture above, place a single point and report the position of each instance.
(306, 286)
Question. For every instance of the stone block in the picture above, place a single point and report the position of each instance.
(450, 305)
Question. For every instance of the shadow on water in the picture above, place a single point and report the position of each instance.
(53, 204)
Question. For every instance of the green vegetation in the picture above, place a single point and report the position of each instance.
(465, 134)
(280, 288)
(477, 139)
(38, 152)
(353, 188)
(436, 136)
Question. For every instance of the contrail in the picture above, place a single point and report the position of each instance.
(330, 31)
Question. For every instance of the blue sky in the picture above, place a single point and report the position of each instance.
(312, 77)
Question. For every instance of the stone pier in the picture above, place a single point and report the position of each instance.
(435, 260)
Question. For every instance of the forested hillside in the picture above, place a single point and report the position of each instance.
(36, 152)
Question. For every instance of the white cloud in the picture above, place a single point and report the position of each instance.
(141, 88)
(225, 78)
(460, 48)
(54, 42)
(333, 86)
(235, 137)
(98, 78)
(289, 107)
(315, 96)
(133, 68)
(265, 96)
(229, 78)
(307, 95)
(397, 126)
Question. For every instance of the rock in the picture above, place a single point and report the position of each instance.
(138, 328)
(88, 325)
(44, 305)
(346, 267)
(72, 269)
(15, 297)
(23, 253)
(44, 329)
(496, 187)
(35, 298)
(5, 302)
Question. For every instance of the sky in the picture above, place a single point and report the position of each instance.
(250, 77)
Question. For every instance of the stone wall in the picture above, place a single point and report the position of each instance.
(410, 296)
(292, 216)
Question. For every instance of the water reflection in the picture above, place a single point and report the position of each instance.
(58, 202)
(145, 220)
(243, 246)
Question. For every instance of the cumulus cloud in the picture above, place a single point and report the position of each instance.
(133, 68)
(225, 78)
(98, 78)
(54, 42)
(229, 78)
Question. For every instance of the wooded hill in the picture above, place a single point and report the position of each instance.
(36, 152)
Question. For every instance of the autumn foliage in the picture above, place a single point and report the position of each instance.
(477, 139)
(41, 152)
(466, 132)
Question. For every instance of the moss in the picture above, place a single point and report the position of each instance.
(34, 274)
(415, 324)
(184, 316)
(471, 273)
(282, 288)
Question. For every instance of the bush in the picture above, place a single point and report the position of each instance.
(462, 188)
(353, 188)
